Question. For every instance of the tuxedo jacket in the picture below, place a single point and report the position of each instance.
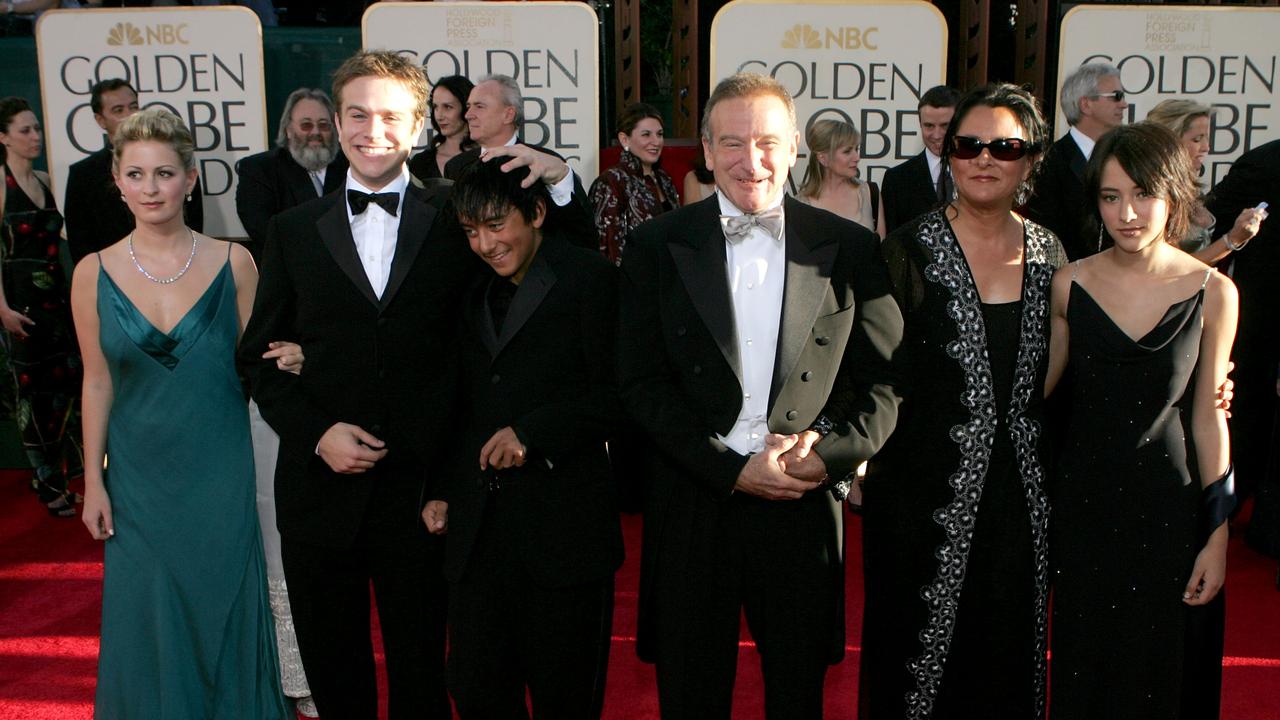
(1058, 201)
(574, 221)
(271, 182)
(95, 214)
(908, 192)
(385, 364)
(549, 374)
(680, 375)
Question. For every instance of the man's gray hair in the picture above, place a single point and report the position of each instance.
(1081, 84)
(320, 96)
(511, 96)
(746, 84)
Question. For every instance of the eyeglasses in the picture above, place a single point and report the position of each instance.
(964, 147)
(1117, 95)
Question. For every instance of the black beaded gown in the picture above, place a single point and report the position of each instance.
(1125, 536)
(955, 534)
(44, 367)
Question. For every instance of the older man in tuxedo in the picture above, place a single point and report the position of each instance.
(754, 350)
(304, 165)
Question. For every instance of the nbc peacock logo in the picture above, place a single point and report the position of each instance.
(802, 36)
(125, 32)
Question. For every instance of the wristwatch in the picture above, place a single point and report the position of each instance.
(823, 425)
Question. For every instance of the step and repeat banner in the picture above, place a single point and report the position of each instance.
(205, 64)
(550, 48)
(864, 61)
(1222, 57)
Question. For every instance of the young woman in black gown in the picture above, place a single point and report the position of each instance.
(44, 367)
(1140, 538)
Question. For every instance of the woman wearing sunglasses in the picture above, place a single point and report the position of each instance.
(955, 525)
(1143, 486)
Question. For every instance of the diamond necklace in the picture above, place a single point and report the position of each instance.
(164, 281)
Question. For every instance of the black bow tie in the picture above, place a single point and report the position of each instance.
(359, 201)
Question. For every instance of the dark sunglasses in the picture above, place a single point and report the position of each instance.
(1117, 95)
(964, 147)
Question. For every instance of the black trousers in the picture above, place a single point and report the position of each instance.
(329, 596)
(508, 632)
(778, 563)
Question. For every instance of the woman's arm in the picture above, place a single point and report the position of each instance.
(95, 399)
(246, 277)
(1245, 227)
(1059, 330)
(1209, 428)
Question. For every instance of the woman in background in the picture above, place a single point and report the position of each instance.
(637, 188)
(451, 137)
(1188, 120)
(45, 368)
(831, 177)
(699, 183)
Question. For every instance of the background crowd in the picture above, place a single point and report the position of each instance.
(761, 347)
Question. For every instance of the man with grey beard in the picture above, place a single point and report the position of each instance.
(304, 165)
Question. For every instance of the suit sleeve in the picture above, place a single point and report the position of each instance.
(253, 204)
(1045, 205)
(575, 219)
(558, 429)
(648, 383)
(281, 396)
(1246, 185)
(863, 405)
(77, 213)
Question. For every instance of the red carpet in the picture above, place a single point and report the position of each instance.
(50, 601)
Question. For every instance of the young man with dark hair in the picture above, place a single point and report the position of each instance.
(95, 215)
(919, 184)
(534, 537)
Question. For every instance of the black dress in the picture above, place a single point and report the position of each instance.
(45, 366)
(955, 528)
(1126, 500)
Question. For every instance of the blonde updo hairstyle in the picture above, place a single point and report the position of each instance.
(155, 125)
(825, 136)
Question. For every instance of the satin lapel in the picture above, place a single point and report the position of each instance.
(700, 258)
(480, 317)
(924, 179)
(416, 217)
(810, 256)
(300, 185)
(335, 232)
(532, 291)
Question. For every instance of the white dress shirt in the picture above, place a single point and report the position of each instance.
(375, 231)
(757, 269)
(1084, 142)
(562, 191)
(935, 166)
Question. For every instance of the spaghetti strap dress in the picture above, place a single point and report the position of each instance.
(186, 627)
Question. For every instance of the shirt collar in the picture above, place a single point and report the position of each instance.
(1084, 142)
(728, 208)
(510, 141)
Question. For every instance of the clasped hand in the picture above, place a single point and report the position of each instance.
(786, 469)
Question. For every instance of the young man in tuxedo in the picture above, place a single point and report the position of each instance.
(96, 216)
(755, 354)
(534, 537)
(305, 164)
(921, 183)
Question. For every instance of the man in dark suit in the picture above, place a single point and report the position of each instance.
(1255, 177)
(917, 185)
(495, 112)
(755, 345)
(1093, 103)
(533, 528)
(304, 165)
(95, 215)
(364, 279)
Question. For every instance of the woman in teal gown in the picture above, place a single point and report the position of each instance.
(186, 626)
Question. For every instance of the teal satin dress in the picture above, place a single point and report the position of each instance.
(186, 628)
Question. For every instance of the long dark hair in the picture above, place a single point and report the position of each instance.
(461, 89)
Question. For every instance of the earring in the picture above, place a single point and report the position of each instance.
(122, 198)
(1101, 229)
(188, 197)
(626, 148)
